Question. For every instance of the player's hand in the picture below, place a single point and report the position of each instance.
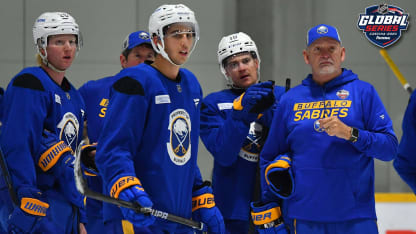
(256, 99)
(335, 127)
(137, 194)
(204, 210)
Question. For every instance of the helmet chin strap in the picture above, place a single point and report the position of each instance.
(162, 51)
(46, 62)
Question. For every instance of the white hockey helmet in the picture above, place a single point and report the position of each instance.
(235, 44)
(166, 15)
(54, 23)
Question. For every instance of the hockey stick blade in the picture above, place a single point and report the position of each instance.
(82, 187)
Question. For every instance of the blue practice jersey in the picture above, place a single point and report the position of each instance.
(334, 178)
(34, 102)
(235, 147)
(151, 131)
(405, 163)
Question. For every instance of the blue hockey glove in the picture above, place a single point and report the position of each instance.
(279, 176)
(128, 188)
(267, 218)
(256, 99)
(31, 216)
(204, 209)
(56, 160)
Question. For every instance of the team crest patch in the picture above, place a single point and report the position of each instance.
(69, 126)
(317, 126)
(253, 143)
(382, 24)
(179, 147)
(343, 94)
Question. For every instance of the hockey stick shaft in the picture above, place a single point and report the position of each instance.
(82, 187)
(287, 84)
(8, 179)
(396, 71)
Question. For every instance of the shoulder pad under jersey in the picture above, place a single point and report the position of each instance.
(129, 86)
(29, 81)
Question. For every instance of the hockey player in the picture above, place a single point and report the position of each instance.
(405, 163)
(136, 48)
(42, 123)
(330, 129)
(235, 136)
(147, 150)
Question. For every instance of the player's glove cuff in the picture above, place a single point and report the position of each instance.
(123, 183)
(267, 217)
(52, 154)
(202, 197)
(279, 178)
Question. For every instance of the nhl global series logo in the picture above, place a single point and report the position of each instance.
(382, 24)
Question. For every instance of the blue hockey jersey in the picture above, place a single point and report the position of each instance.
(405, 163)
(334, 178)
(34, 102)
(151, 131)
(235, 147)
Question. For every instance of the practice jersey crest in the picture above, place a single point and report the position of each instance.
(179, 146)
(69, 127)
(253, 143)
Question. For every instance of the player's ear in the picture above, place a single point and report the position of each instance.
(123, 61)
(306, 56)
(155, 39)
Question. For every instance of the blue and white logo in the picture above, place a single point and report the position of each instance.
(382, 24)
(179, 145)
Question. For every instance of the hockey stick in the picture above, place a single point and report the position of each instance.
(8, 179)
(396, 71)
(287, 84)
(82, 187)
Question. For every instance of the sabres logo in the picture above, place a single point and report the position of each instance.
(69, 126)
(144, 36)
(343, 94)
(253, 143)
(179, 147)
(382, 24)
(317, 126)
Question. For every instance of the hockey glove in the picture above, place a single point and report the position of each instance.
(31, 216)
(56, 161)
(128, 188)
(279, 176)
(256, 99)
(88, 161)
(267, 218)
(204, 209)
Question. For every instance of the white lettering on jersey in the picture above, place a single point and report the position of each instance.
(225, 106)
(162, 99)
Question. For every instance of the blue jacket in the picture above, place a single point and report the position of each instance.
(334, 178)
(405, 163)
